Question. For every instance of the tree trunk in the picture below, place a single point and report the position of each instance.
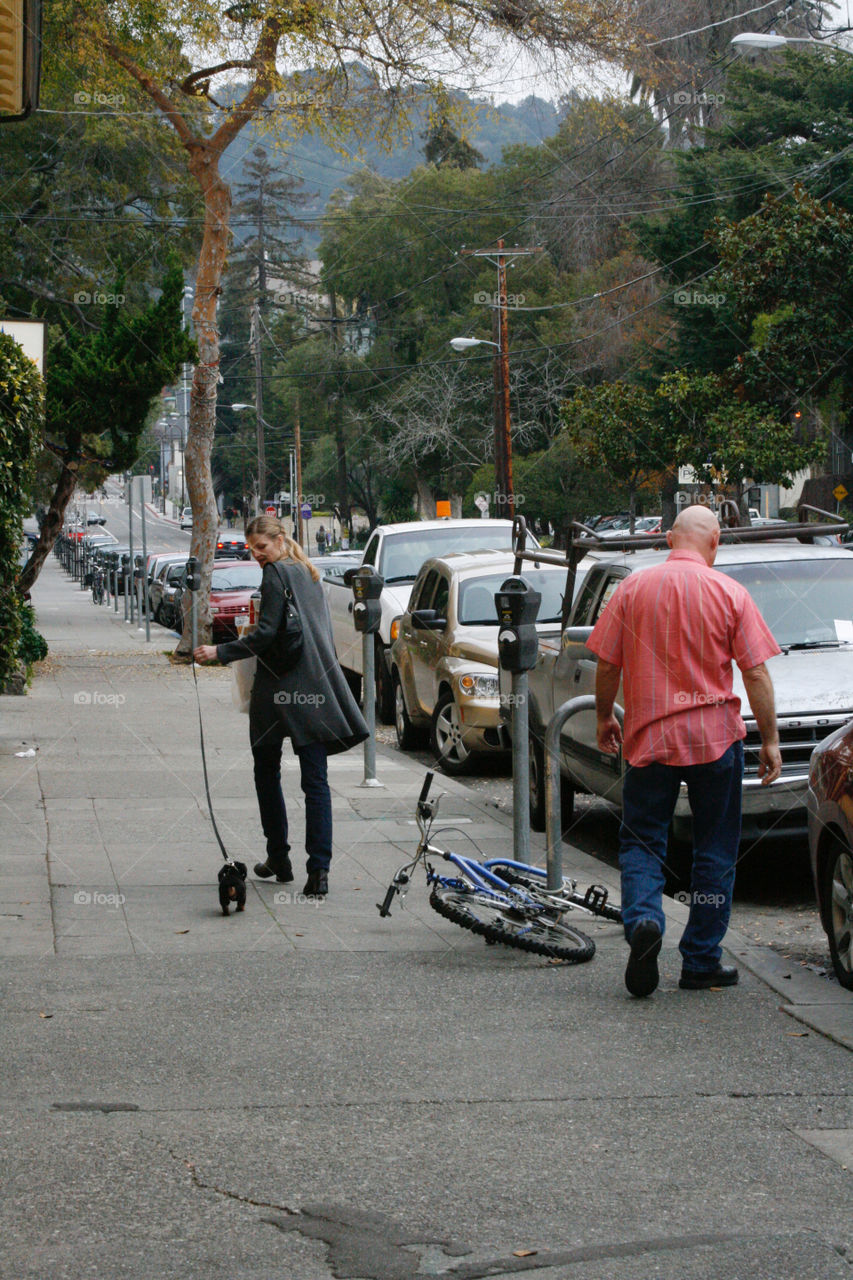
(204, 166)
(668, 507)
(51, 526)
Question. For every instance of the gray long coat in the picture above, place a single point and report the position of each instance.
(313, 702)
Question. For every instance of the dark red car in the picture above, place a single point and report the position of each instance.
(231, 585)
(830, 809)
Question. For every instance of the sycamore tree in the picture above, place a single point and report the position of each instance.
(186, 56)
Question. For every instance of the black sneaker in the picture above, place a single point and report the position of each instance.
(725, 975)
(641, 973)
(283, 874)
(317, 884)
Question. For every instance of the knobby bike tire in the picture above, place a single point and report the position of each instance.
(483, 915)
(535, 886)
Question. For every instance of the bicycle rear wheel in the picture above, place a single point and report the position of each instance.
(594, 900)
(528, 928)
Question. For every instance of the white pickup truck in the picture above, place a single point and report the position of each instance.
(805, 594)
(397, 551)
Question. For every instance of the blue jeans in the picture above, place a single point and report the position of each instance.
(649, 794)
(318, 802)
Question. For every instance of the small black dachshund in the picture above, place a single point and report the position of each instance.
(232, 886)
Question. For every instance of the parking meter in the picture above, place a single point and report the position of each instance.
(517, 606)
(125, 582)
(367, 587)
(193, 574)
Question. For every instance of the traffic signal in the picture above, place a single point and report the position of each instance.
(20, 58)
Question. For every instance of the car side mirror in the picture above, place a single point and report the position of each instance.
(428, 620)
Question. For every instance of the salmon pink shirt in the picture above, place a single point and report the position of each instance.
(674, 630)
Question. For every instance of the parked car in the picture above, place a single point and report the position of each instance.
(335, 564)
(162, 590)
(231, 545)
(187, 518)
(156, 563)
(829, 802)
(95, 517)
(232, 583)
(800, 590)
(397, 552)
(444, 660)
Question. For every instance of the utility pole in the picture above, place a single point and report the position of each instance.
(505, 494)
(340, 442)
(259, 405)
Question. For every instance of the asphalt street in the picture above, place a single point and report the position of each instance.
(310, 1091)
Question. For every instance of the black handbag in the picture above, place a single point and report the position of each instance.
(287, 649)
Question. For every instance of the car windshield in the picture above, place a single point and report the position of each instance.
(404, 553)
(476, 605)
(803, 602)
(245, 576)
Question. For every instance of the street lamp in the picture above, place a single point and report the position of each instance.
(764, 40)
(259, 497)
(503, 442)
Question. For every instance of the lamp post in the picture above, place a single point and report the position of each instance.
(259, 497)
(767, 40)
(503, 441)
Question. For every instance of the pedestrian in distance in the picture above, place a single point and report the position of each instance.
(309, 702)
(672, 633)
(321, 541)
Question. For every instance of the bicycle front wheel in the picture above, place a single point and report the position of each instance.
(526, 927)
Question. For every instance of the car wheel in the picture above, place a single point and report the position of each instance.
(837, 896)
(408, 735)
(384, 688)
(536, 753)
(446, 740)
(538, 811)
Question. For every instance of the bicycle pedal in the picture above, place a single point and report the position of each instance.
(595, 897)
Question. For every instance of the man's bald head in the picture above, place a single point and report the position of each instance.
(696, 529)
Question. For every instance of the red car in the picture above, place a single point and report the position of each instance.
(830, 809)
(232, 583)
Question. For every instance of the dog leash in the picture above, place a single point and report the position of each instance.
(228, 859)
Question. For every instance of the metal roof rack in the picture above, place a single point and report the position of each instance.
(583, 539)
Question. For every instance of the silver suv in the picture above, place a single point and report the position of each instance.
(805, 594)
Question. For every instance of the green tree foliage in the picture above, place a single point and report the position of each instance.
(100, 385)
(21, 418)
(443, 147)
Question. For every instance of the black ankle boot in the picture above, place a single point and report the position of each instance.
(317, 884)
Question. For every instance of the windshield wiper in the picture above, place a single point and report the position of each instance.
(404, 577)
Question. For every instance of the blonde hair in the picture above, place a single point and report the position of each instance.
(271, 527)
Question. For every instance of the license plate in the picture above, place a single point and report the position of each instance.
(242, 619)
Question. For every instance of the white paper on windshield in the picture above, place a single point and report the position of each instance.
(844, 630)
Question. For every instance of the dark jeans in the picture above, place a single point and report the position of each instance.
(649, 794)
(318, 802)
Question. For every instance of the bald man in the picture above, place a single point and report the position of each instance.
(671, 634)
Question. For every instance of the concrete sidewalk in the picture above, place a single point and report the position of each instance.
(310, 1091)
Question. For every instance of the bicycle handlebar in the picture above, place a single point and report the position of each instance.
(425, 788)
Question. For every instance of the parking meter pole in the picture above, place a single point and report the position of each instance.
(520, 769)
(130, 543)
(114, 568)
(367, 587)
(125, 581)
(193, 582)
(369, 686)
(553, 814)
(517, 606)
(144, 583)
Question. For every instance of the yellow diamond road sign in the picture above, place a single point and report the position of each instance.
(839, 493)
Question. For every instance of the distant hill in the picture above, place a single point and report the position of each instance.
(323, 169)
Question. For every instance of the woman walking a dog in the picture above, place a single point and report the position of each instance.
(305, 698)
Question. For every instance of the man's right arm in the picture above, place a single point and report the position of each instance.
(759, 692)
